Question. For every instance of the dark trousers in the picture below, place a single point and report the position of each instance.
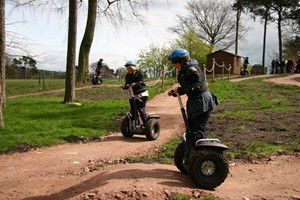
(140, 108)
(197, 126)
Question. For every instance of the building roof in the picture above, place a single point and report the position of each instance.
(224, 52)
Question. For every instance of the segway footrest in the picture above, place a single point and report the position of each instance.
(201, 141)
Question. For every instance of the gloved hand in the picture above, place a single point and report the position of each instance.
(172, 93)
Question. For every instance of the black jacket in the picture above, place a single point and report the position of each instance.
(192, 83)
(137, 78)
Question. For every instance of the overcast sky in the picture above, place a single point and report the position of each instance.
(48, 37)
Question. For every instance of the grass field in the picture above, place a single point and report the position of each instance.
(44, 120)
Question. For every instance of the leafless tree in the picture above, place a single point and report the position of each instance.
(214, 22)
(2, 61)
(86, 43)
(117, 12)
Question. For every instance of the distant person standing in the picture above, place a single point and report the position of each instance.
(277, 66)
(273, 67)
(246, 63)
(99, 68)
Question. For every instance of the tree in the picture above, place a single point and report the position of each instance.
(153, 60)
(195, 46)
(116, 12)
(213, 22)
(2, 61)
(257, 8)
(24, 63)
(291, 48)
(86, 43)
(71, 53)
(239, 10)
(283, 9)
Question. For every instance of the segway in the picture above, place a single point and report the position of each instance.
(129, 126)
(207, 166)
(97, 80)
(244, 72)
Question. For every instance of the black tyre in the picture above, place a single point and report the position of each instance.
(94, 81)
(99, 81)
(152, 129)
(125, 127)
(178, 158)
(208, 168)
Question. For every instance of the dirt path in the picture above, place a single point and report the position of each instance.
(64, 171)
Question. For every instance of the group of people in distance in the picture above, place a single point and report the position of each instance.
(192, 83)
(287, 66)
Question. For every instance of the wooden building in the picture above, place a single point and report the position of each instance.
(227, 58)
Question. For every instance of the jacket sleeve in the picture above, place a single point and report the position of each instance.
(195, 82)
(140, 82)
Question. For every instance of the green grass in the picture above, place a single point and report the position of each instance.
(251, 95)
(20, 86)
(44, 120)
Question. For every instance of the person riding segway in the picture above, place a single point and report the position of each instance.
(134, 81)
(200, 157)
(96, 79)
(245, 71)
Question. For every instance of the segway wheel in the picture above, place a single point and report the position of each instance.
(125, 127)
(98, 81)
(208, 168)
(152, 129)
(178, 158)
(94, 81)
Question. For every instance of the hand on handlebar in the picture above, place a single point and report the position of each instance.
(125, 86)
(172, 93)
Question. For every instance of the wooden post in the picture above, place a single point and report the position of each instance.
(44, 86)
(223, 70)
(229, 71)
(162, 78)
(213, 70)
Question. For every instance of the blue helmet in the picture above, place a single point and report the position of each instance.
(129, 63)
(179, 55)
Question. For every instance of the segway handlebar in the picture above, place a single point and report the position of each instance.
(172, 93)
(131, 92)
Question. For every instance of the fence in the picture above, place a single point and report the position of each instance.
(212, 70)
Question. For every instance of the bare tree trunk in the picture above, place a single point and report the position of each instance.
(280, 36)
(2, 61)
(71, 54)
(238, 16)
(85, 47)
(264, 42)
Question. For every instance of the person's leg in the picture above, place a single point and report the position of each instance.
(198, 125)
(133, 112)
(141, 104)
